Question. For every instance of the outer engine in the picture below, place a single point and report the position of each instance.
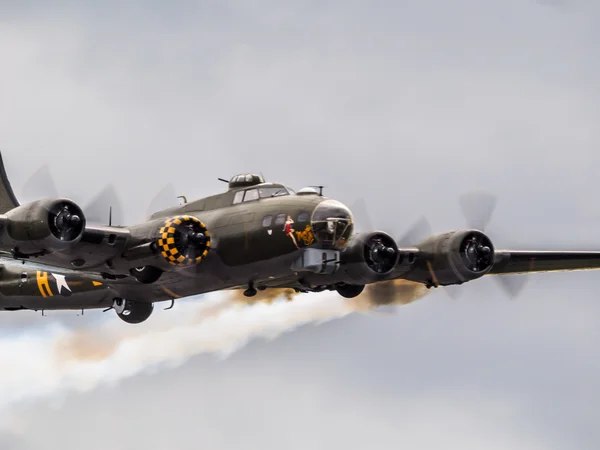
(45, 225)
(456, 257)
(369, 257)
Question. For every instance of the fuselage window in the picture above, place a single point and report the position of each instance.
(239, 195)
(251, 194)
(280, 219)
(303, 217)
(267, 221)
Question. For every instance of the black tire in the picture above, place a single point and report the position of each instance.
(146, 274)
(350, 290)
(136, 312)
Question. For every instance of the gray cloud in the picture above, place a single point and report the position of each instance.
(405, 104)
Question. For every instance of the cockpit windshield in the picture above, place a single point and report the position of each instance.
(272, 191)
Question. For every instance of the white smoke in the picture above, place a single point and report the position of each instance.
(53, 360)
(56, 359)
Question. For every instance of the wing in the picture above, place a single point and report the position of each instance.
(25, 233)
(55, 232)
(526, 261)
(460, 256)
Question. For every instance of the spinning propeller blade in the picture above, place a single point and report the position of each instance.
(477, 208)
(360, 216)
(418, 231)
(41, 184)
(165, 198)
(104, 203)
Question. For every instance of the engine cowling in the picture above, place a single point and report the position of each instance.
(369, 257)
(183, 241)
(45, 225)
(178, 242)
(456, 257)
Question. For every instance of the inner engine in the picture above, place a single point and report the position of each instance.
(456, 256)
(45, 225)
(369, 257)
(183, 241)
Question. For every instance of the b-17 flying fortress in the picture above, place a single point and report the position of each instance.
(255, 235)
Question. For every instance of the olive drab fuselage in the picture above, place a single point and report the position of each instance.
(255, 233)
(253, 242)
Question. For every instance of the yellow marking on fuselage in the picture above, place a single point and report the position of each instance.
(43, 285)
(96, 283)
(306, 236)
(171, 293)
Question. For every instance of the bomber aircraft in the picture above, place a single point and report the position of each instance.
(255, 235)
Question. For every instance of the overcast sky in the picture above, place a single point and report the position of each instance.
(406, 104)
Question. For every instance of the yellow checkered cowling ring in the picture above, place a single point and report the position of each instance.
(176, 246)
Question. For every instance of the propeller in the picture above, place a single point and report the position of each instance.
(104, 208)
(381, 256)
(477, 208)
(165, 198)
(106, 204)
(40, 185)
(418, 231)
(68, 222)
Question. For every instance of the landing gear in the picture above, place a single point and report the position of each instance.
(132, 312)
(349, 290)
(146, 274)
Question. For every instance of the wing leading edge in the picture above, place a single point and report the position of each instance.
(526, 261)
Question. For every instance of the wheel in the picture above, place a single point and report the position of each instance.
(133, 312)
(350, 290)
(146, 274)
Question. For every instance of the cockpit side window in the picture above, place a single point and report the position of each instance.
(280, 219)
(239, 195)
(251, 194)
(303, 217)
(266, 192)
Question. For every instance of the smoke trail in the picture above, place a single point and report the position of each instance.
(59, 359)
(266, 296)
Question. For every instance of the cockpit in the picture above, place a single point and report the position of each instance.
(266, 190)
(332, 224)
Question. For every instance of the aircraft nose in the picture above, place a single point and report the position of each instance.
(332, 223)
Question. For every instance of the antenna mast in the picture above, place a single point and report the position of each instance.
(320, 189)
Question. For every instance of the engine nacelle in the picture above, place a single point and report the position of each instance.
(46, 225)
(456, 257)
(178, 242)
(369, 257)
(183, 241)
